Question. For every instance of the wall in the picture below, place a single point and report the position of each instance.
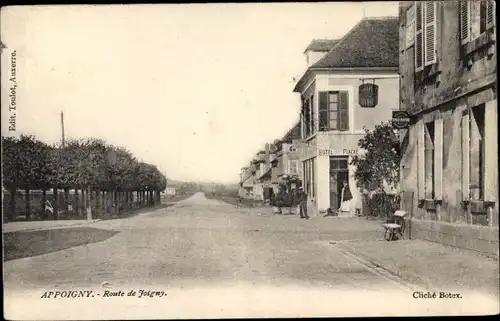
(455, 79)
(313, 56)
(359, 118)
(447, 97)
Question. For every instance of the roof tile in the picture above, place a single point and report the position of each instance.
(373, 42)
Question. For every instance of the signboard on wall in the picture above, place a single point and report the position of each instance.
(337, 152)
(400, 119)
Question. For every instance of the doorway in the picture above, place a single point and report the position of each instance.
(339, 172)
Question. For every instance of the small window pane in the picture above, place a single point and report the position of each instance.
(334, 163)
(343, 164)
(333, 106)
(333, 124)
(333, 98)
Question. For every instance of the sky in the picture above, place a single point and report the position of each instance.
(196, 89)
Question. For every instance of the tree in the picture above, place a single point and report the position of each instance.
(377, 170)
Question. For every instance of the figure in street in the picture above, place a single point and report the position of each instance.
(346, 200)
(302, 198)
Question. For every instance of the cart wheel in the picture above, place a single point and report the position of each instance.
(388, 235)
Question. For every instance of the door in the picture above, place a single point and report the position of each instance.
(334, 203)
(339, 173)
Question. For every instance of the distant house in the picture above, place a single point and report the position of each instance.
(353, 85)
(285, 156)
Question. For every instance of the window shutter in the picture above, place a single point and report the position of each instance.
(323, 111)
(490, 14)
(438, 159)
(430, 32)
(313, 120)
(491, 152)
(343, 111)
(368, 95)
(421, 160)
(464, 21)
(465, 157)
(419, 37)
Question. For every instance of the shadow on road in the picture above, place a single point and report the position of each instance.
(19, 245)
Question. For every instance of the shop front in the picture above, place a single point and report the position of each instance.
(327, 172)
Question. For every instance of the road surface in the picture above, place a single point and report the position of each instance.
(212, 259)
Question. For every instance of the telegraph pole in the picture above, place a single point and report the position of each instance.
(62, 129)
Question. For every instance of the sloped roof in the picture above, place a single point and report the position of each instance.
(321, 44)
(373, 42)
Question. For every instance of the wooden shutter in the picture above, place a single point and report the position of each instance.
(430, 32)
(343, 110)
(438, 159)
(323, 111)
(419, 37)
(465, 157)
(464, 21)
(491, 151)
(490, 14)
(421, 160)
(313, 120)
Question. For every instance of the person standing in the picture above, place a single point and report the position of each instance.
(302, 198)
(346, 198)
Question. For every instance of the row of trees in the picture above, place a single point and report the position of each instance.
(108, 175)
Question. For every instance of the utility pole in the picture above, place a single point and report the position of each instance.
(62, 129)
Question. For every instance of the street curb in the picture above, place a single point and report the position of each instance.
(406, 276)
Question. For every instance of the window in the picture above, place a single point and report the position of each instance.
(333, 110)
(485, 14)
(425, 34)
(429, 160)
(477, 153)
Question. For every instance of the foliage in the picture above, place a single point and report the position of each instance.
(379, 166)
(383, 205)
(31, 164)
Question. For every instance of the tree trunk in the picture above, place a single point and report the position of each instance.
(115, 202)
(12, 203)
(66, 201)
(97, 201)
(44, 200)
(55, 204)
(27, 200)
(89, 203)
(76, 202)
(84, 200)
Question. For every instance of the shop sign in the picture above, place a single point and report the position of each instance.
(400, 119)
(337, 152)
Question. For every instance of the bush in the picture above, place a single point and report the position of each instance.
(383, 205)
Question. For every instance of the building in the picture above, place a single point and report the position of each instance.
(317, 49)
(448, 86)
(247, 182)
(353, 85)
(285, 157)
